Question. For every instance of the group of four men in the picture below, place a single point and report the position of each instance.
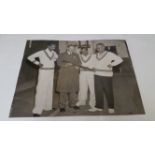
(80, 71)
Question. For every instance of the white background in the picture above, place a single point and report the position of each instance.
(79, 17)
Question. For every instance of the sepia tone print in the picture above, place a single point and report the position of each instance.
(72, 78)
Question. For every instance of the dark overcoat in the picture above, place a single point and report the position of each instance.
(68, 77)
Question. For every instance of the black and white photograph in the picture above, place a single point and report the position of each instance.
(76, 78)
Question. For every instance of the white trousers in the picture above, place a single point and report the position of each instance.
(44, 91)
(86, 83)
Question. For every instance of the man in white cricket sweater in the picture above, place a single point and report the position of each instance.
(86, 79)
(44, 89)
(105, 61)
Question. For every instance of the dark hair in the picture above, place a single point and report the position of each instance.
(83, 48)
(101, 44)
(50, 43)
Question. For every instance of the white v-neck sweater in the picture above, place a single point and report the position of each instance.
(102, 64)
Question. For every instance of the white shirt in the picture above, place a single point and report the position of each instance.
(46, 57)
(105, 59)
(88, 61)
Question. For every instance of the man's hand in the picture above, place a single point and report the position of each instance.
(88, 69)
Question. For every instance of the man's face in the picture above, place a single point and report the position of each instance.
(71, 49)
(84, 51)
(51, 47)
(100, 48)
